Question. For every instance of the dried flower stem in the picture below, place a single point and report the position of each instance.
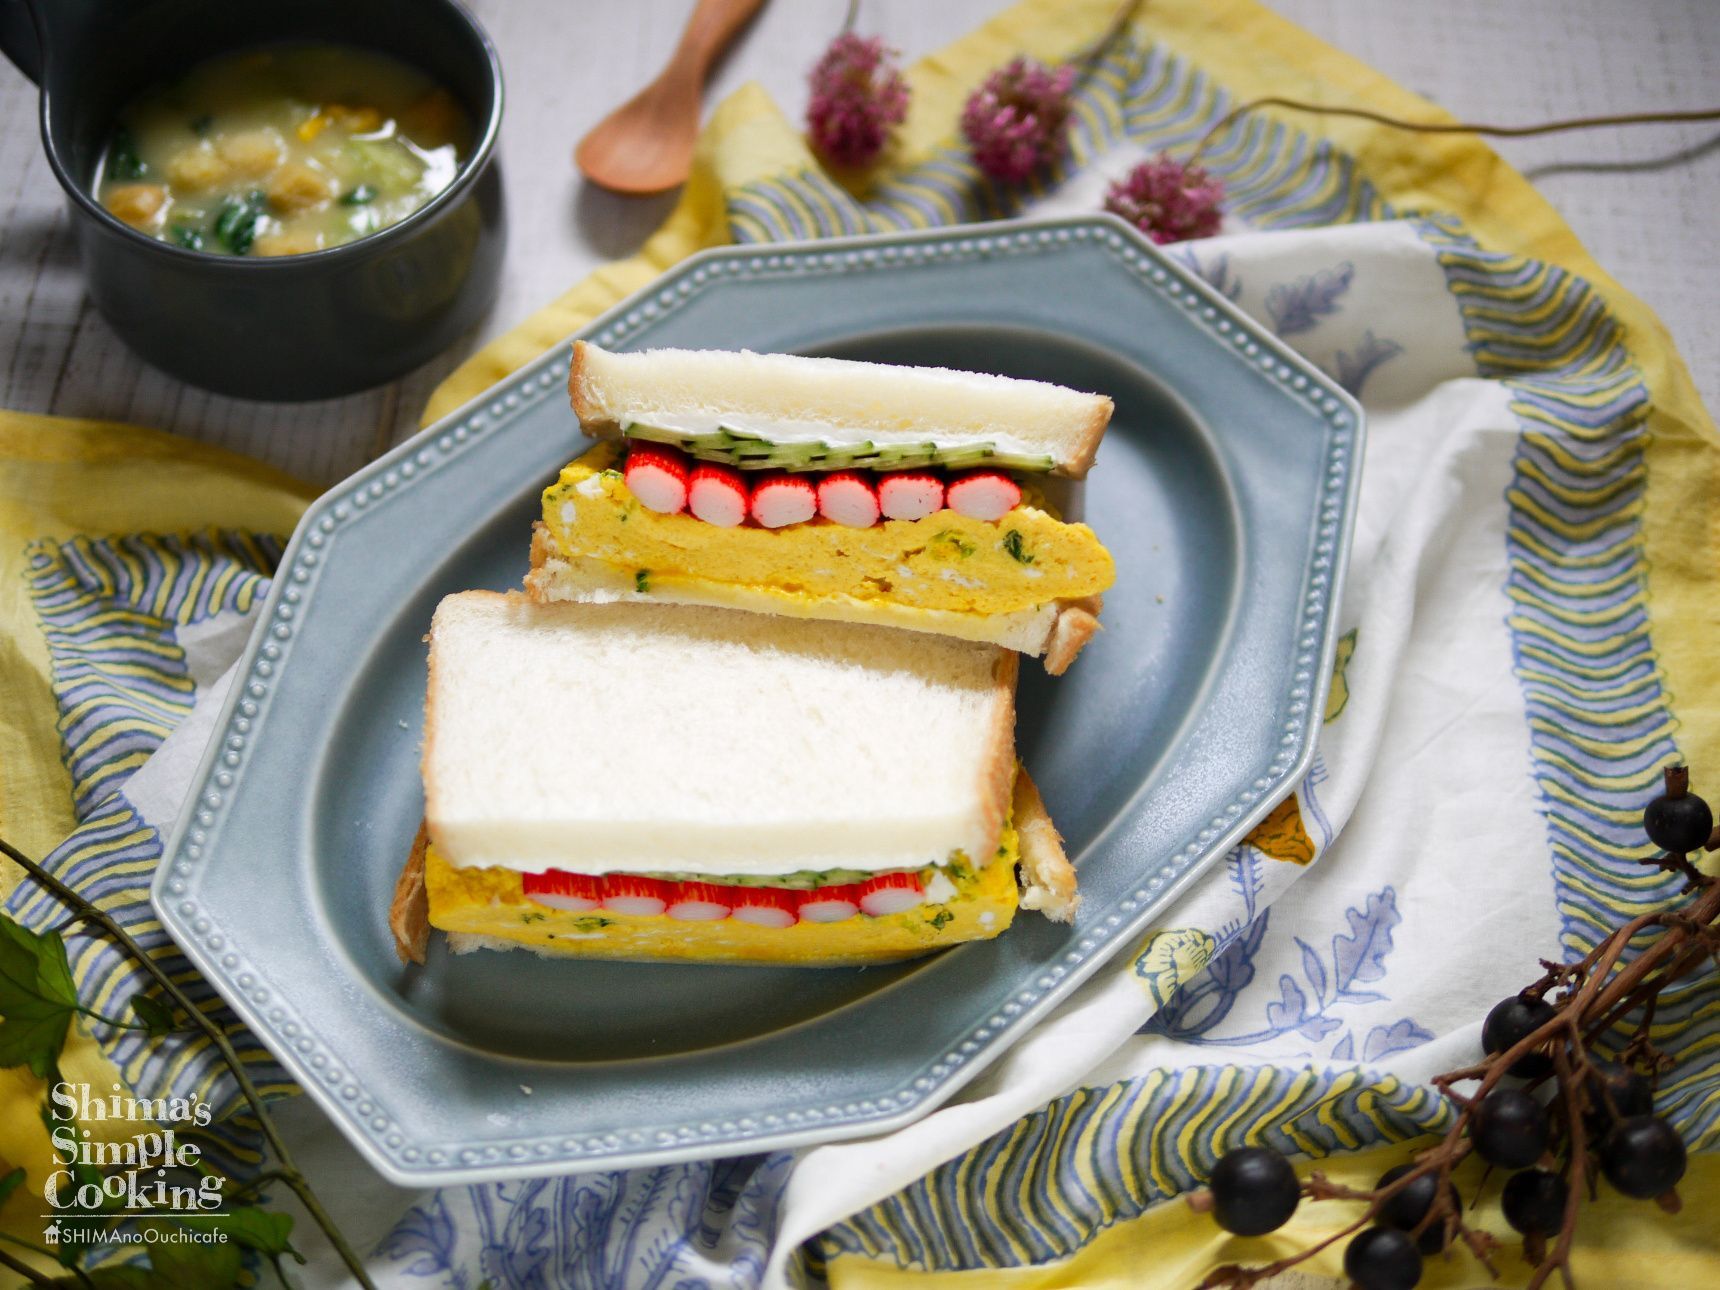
(1450, 127)
(289, 1171)
(1119, 23)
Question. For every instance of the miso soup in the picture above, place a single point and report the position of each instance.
(283, 150)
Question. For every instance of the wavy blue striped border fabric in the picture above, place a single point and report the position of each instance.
(1053, 1181)
(108, 608)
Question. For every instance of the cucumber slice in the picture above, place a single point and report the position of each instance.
(747, 451)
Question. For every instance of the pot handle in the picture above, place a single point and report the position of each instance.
(20, 37)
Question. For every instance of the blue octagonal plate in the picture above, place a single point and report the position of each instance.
(1225, 488)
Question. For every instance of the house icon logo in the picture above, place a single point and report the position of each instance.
(51, 1234)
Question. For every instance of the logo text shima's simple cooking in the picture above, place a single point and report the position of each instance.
(151, 1171)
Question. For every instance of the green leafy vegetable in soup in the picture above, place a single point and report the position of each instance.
(283, 150)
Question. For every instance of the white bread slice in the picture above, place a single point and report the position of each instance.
(789, 397)
(1058, 630)
(624, 738)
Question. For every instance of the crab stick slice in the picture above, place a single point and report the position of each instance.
(831, 904)
(910, 495)
(628, 893)
(890, 893)
(717, 495)
(766, 906)
(575, 892)
(699, 902)
(984, 494)
(781, 499)
(657, 476)
(847, 497)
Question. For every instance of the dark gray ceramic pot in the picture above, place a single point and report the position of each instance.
(294, 327)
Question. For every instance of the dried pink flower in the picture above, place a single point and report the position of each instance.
(857, 95)
(1168, 200)
(1015, 121)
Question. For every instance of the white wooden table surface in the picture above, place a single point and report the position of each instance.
(1644, 201)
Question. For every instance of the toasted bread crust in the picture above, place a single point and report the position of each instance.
(1075, 625)
(1047, 877)
(591, 420)
(543, 551)
(1088, 446)
(409, 912)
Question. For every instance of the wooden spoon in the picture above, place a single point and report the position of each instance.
(646, 144)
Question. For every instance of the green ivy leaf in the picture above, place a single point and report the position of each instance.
(154, 1014)
(37, 997)
(9, 1184)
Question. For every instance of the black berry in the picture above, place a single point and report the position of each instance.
(1382, 1258)
(1617, 1092)
(1643, 1156)
(1534, 1202)
(1678, 824)
(1509, 1023)
(1509, 1128)
(1254, 1191)
(1408, 1207)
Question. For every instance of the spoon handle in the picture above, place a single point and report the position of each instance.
(713, 24)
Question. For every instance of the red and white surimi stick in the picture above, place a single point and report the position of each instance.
(700, 902)
(717, 495)
(628, 893)
(779, 498)
(910, 495)
(848, 498)
(766, 906)
(576, 892)
(890, 893)
(657, 476)
(984, 494)
(831, 904)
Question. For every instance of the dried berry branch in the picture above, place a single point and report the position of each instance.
(1575, 1175)
(1598, 1119)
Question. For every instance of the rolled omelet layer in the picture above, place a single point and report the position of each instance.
(491, 903)
(555, 577)
(946, 562)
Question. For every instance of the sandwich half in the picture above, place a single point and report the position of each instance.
(825, 488)
(647, 782)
